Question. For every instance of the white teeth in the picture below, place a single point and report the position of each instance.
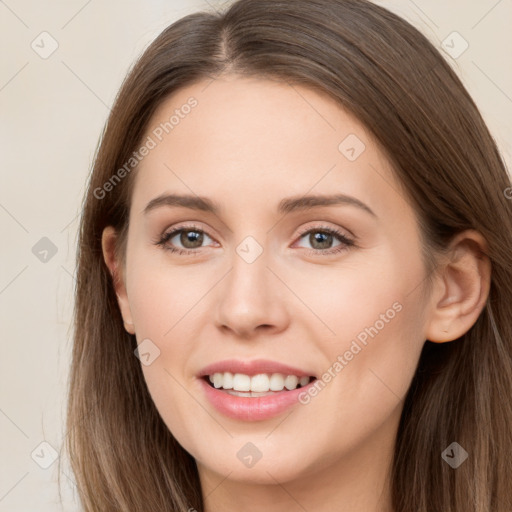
(228, 380)
(241, 382)
(260, 383)
(291, 382)
(277, 382)
(217, 380)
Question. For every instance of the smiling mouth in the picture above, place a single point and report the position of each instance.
(291, 386)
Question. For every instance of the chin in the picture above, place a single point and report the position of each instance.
(246, 465)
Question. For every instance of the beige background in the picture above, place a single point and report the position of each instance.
(52, 112)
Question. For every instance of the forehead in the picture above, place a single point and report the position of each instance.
(246, 139)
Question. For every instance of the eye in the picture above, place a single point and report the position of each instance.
(190, 237)
(322, 237)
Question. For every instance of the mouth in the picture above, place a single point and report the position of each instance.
(254, 400)
(259, 385)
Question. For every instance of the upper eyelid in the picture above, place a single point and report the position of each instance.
(173, 231)
(326, 228)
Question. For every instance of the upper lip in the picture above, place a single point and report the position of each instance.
(253, 367)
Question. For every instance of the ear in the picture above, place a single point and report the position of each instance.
(461, 289)
(108, 245)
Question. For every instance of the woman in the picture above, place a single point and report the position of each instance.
(221, 363)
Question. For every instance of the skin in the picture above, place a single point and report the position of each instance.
(248, 144)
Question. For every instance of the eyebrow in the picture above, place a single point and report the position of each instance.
(287, 205)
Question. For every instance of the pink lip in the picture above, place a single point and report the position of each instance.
(252, 409)
(252, 368)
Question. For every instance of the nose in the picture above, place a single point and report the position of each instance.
(251, 300)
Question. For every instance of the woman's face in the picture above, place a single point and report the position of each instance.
(281, 273)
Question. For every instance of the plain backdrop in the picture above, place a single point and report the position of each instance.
(53, 107)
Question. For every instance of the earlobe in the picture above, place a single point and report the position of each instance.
(462, 288)
(108, 244)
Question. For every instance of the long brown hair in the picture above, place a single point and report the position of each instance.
(391, 78)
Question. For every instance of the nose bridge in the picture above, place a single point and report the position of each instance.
(248, 281)
(250, 296)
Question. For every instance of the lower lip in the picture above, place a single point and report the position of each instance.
(252, 408)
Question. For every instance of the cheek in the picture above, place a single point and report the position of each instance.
(381, 355)
(340, 302)
(374, 312)
(162, 295)
(379, 337)
(161, 307)
(165, 300)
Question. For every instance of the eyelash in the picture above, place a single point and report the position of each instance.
(346, 242)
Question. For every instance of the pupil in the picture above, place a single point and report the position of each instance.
(324, 239)
(191, 237)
